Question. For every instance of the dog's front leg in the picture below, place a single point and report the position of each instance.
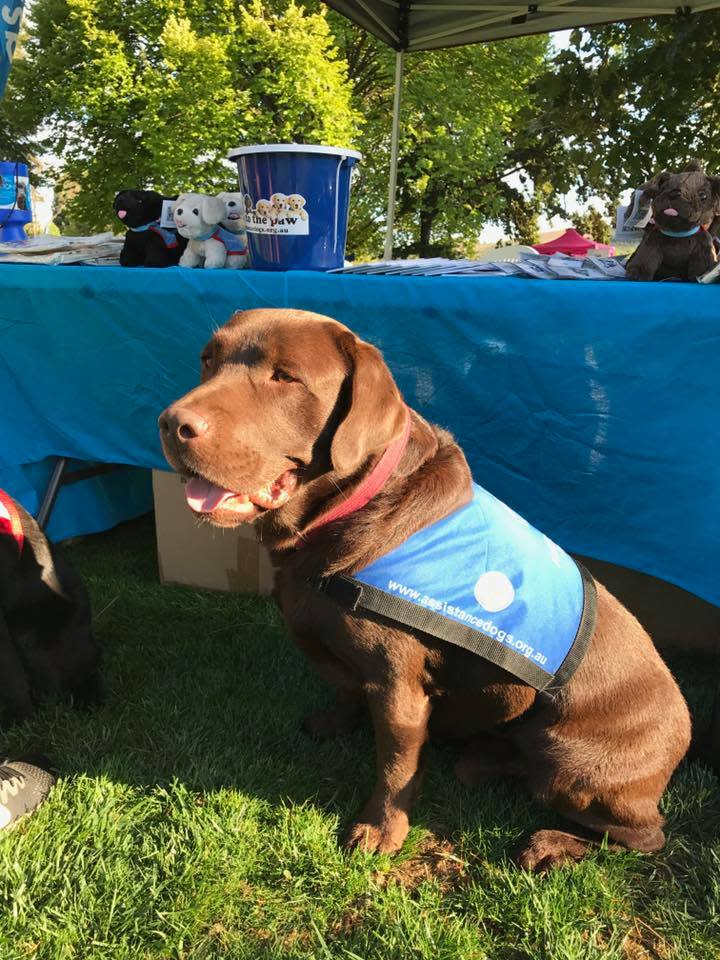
(190, 257)
(215, 255)
(646, 261)
(400, 713)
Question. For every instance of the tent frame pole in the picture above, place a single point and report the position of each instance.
(394, 150)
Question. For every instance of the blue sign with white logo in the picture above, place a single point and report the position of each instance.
(487, 568)
(10, 17)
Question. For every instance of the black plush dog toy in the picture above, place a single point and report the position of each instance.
(147, 244)
(46, 641)
(678, 241)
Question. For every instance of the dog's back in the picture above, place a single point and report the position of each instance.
(46, 641)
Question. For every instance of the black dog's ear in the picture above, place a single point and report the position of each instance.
(694, 166)
(652, 187)
(715, 187)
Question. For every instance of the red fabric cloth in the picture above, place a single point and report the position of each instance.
(372, 484)
(10, 523)
(572, 243)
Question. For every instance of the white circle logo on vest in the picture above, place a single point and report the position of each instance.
(494, 591)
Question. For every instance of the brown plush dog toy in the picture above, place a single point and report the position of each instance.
(678, 241)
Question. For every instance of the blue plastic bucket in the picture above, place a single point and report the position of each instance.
(296, 204)
(15, 209)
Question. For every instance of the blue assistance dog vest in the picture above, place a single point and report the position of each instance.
(486, 580)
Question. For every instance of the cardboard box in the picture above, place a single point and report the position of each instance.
(199, 555)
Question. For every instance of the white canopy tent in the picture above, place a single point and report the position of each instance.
(413, 25)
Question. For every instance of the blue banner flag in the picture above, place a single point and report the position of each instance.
(10, 16)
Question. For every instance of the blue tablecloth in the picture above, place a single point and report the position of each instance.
(589, 407)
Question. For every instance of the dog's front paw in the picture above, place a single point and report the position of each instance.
(547, 849)
(387, 836)
(637, 274)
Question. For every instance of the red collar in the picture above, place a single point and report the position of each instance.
(10, 522)
(372, 484)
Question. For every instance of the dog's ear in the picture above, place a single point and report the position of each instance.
(715, 187)
(212, 210)
(653, 187)
(376, 412)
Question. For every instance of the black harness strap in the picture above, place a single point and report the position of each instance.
(356, 596)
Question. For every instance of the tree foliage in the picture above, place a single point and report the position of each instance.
(153, 92)
(460, 114)
(626, 100)
(592, 224)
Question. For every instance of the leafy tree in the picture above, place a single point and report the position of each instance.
(625, 101)
(459, 123)
(592, 224)
(152, 93)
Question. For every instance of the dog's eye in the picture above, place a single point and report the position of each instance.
(282, 376)
(703, 196)
(206, 361)
(196, 212)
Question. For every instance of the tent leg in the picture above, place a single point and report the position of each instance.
(394, 148)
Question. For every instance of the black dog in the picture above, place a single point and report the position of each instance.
(147, 244)
(46, 642)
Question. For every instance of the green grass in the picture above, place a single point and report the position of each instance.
(193, 820)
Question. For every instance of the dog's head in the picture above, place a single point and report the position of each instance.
(681, 201)
(264, 208)
(285, 397)
(234, 217)
(295, 202)
(196, 214)
(279, 200)
(136, 208)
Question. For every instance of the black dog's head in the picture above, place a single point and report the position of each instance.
(137, 207)
(681, 201)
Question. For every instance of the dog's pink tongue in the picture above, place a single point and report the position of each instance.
(671, 212)
(203, 496)
(122, 214)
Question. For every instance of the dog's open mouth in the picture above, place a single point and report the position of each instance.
(234, 215)
(205, 497)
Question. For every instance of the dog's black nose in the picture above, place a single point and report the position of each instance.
(179, 212)
(182, 424)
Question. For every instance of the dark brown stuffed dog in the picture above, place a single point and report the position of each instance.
(293, 414)
(678, 243)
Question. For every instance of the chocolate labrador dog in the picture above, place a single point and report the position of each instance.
(298, 426)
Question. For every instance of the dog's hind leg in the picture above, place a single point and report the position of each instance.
(628, 818)
(15, 700)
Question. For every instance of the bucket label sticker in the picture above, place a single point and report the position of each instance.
(14, 192)
(283, 214)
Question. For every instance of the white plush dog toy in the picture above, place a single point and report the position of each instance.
(233, 229)
(197, 217)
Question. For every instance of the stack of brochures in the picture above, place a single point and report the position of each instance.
(558, 266)
(102, 249)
